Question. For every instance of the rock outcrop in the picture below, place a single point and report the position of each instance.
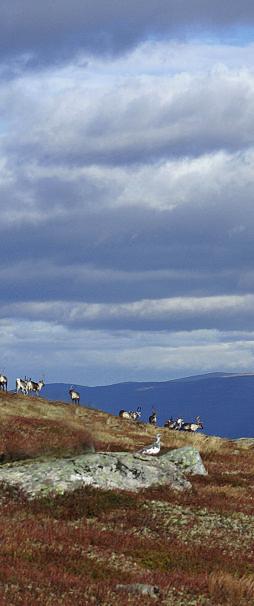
(122, 470)
(187, 459)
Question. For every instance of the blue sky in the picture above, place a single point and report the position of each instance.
(126, 189)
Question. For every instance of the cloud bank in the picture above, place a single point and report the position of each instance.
(126, 188)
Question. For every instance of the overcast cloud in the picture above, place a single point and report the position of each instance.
(53, 30)
(126, 189)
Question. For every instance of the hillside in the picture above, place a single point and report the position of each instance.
(195, 547)
(223, 401)
(32, 426)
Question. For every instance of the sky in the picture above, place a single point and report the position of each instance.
(126, 189)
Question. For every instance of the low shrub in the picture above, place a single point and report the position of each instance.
(84, 502)
(30, 437)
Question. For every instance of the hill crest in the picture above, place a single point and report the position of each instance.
(224, 401)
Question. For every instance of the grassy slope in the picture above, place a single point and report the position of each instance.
(198, 547)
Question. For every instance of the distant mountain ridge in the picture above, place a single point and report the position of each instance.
(226, 407)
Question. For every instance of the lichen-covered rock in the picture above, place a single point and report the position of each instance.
(102, 470)
(115, 470)
(187, 459)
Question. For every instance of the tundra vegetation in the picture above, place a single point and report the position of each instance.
(101, 547)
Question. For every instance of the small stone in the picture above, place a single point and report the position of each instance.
(150, 590)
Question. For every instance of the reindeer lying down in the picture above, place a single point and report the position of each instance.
(132, 415)
(184, 426)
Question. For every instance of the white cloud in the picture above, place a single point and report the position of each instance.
(160, 136)
(200, 309)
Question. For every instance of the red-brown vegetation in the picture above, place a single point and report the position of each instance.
(31, 437)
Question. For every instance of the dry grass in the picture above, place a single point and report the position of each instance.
(230, 589)
(108, 431)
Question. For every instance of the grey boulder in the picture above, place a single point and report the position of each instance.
(122, 470)
(187, 459)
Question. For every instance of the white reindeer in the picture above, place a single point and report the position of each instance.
(34, 386)
(3, 382)
(74, 395)
(21, 385)
(132, 415)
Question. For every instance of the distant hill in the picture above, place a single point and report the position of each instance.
(224, 401)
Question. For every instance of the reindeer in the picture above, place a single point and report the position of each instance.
(170, 423)
(193, 426)
(34, 386)
(74, 395)
(21, 385)
(3, 382)
(132, 415)
(153, 417)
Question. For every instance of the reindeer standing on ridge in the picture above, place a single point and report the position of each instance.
(21, 385)
(74, 395)
(3, 382)
(34, 386)
(153, 417)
